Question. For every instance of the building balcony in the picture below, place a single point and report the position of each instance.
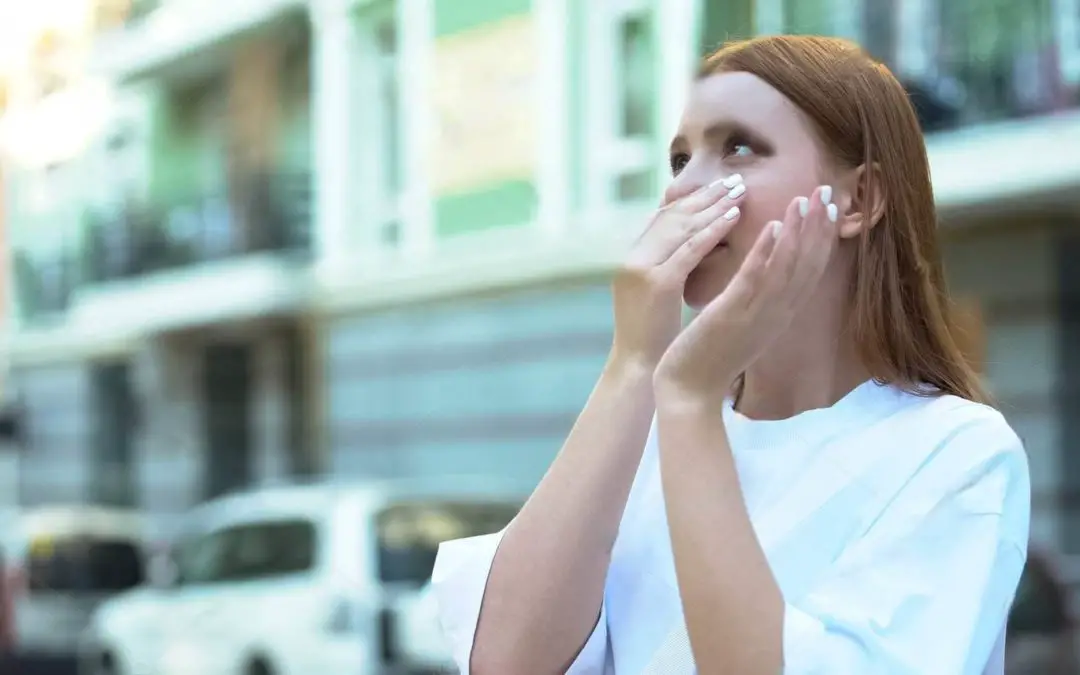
(997, 89)
(210, 258)
(983, 62)
(44, 284)
(270, 214)
(164, 34)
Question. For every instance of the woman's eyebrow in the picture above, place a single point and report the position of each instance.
(717, 132)
(720, 130)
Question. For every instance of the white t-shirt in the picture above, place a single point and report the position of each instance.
(895, 525)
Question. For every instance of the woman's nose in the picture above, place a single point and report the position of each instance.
(681, 187)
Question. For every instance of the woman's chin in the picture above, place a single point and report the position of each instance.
(708, 280)
(701, 289)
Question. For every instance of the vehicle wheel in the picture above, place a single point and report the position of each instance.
(259, 667)
(106, 665)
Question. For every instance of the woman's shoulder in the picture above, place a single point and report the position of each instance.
(969, 448)
(953, 421)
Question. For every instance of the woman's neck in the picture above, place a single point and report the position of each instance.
(814, 364)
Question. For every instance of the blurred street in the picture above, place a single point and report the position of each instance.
(295, 290)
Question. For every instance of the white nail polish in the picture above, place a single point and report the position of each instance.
(832, 213)
(776, 227)
(732, 180)
(826, 194)
(804, 206)
(737, 191)
(732, 213)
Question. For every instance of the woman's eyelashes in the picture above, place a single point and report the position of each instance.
(678, 160)
(735, 148)
(739, 146)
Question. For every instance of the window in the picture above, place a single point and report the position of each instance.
(386, 43)
(248, 552)
(84, 565)
(621, 101)
(409, 534)
(113, 434)
(267, 550)
(200, 560)
(1067, 20)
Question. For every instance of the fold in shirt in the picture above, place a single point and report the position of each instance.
(896, 527)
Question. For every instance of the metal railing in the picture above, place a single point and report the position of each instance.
(980, 61)
(43, 284)
(264, 212)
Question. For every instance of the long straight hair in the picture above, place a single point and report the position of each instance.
(899, 306)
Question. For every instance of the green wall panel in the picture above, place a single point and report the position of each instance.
(500, 205)
(455, 16)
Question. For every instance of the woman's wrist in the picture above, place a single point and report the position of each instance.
(676, 395)
(630, 367)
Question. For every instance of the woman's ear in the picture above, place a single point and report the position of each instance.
(866, 202)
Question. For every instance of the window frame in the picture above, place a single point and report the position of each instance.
(609, 155)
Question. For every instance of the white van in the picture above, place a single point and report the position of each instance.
(62, 563)
(295, 581)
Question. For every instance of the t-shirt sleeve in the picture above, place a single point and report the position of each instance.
(928, 589)
(459, 580)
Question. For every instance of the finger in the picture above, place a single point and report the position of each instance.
(723, 206)
(746, 284)
(676, 224)
(817, 239)
(708, 195)
(688, 256)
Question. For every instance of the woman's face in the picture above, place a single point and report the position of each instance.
(735, 123)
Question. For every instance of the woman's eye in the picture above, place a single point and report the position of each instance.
(678, 162)
(737, 146)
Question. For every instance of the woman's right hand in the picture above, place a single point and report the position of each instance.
(648, 289)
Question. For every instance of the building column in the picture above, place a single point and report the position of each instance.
(416, 64)
(347, 179)
(553, 111)
(678, 31)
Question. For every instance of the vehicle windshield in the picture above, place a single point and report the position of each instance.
(409, 533)
(83, 565)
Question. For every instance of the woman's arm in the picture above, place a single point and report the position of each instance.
(733, 608)
(546, 585)
(540, 601)
(926, 590)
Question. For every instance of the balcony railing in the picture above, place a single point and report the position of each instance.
(964, 62)
(43, 283)
(976, 61)
(266, 212)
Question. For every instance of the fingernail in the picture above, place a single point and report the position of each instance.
(732, 213)
(737, 191)
(732, 180)
(826, 194)
(804, 206)
(830, 210)
(776, 227)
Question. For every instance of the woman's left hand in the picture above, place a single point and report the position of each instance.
(782, 269)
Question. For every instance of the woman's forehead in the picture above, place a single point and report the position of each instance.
(737, 99)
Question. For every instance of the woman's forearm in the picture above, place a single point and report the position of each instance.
(733, 607)
(546, 585)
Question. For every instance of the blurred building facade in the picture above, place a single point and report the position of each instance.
(374, 237)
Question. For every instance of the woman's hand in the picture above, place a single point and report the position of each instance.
(648, 289)
(780, 272)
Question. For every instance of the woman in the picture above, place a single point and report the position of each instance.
(822, 490)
